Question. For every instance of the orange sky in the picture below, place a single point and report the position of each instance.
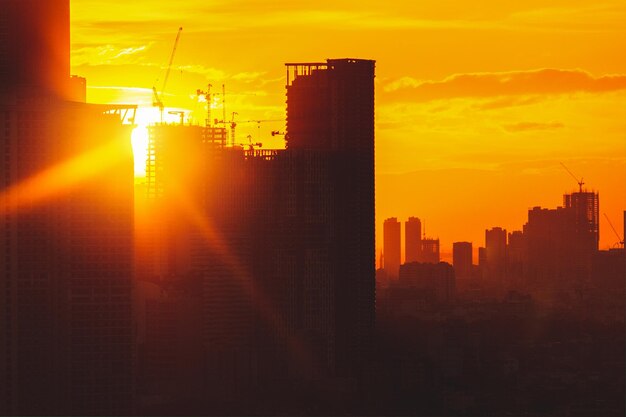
(477, 102)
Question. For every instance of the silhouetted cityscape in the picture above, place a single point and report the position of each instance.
(238, 280)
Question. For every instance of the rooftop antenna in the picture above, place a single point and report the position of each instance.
(620, 240)
(579, 182)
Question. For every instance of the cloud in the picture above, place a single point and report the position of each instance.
(510, 101)
(107, 54)
(484, 85)
(529, 126)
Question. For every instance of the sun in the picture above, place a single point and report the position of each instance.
(139, 140)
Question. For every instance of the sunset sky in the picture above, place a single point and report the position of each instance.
(476, 102)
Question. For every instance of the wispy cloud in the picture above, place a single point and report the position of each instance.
(541, 81)
(531, 126)
(107, 54)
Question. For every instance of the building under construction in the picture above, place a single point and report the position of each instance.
(279, 243)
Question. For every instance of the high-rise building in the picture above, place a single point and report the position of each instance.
(66, 221)
(35, 47)
(391, 248)
(413, 240)
(516, 258)
(586, 213)
(495, 251)
(330, 129)
(436, 281)
(462, 259)
(561, 242)
(302, 305)
(430, 251)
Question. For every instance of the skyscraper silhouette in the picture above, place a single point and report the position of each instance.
(280, 243)
(35, 47)
(430, 251)
(391, 248)
(66, 202)
(462, 259)
(330, 144)
(495, 251)
(586, 212)
(561, 242)
(413, 240)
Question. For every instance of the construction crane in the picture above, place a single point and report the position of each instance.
(181, 114)
(620, 240)
(579, 182)
(207, 95)
(157, 99)
(250, 144)
(233, 125)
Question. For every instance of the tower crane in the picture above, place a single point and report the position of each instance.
(233, 125)
(157, 97)
(620, 240)
(579, 182)
(250, 144)
(180, 114)
(208, 97)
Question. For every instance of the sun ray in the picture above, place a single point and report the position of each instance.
(62, 178)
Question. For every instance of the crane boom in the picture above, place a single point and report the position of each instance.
(169, 65)
(579, 182)
(619, 239)
(157, 99)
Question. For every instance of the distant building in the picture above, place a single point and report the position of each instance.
(413, 240)
(430, 251)
(585, 208)
(482, 257)
(495, 252)
(516, 258)
(437, 281)
(462, 259)
(609, 271)
(561, 242)
(392, 245)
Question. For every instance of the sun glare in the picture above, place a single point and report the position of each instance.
(139, 140)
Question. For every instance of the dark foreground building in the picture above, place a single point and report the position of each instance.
(66, 206)
(330, 123)
(277, 247)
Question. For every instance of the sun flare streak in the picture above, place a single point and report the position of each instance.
(61, 178)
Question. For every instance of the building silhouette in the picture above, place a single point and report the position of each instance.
(585, 206)
(279, 245)
(430, 251)
(516, 259)
(436, 282)
(495, 253)
(391, 236)
(560, 243)
(66, 205)
(462, 259)
(330, 141)
(413, 240)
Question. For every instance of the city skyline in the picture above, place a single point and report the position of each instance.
(169, 250)
(437, 131)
